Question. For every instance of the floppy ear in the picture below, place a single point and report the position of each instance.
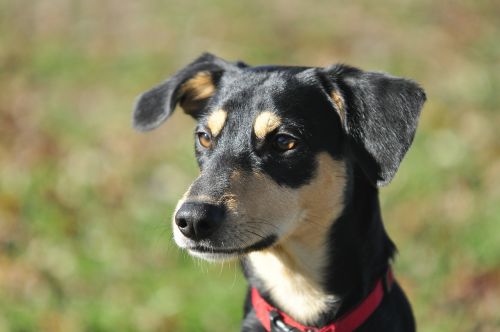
(191, 87)
(379, 114)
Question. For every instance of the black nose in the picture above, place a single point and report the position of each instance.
(198, 220)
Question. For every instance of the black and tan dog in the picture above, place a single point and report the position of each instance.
(290, 159)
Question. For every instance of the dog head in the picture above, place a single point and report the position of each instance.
(276, 145)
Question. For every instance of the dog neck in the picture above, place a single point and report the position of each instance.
(293, 268)
(314, 279)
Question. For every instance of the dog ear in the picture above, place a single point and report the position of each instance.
(191, 87)
(379, 114)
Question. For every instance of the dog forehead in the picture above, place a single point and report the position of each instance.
(259, 102)
(249, 93)
(256, 87)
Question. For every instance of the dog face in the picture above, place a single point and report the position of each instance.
(260, 164)
(276, 145)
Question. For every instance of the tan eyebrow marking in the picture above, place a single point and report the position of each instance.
(265, 123)
(216, 121)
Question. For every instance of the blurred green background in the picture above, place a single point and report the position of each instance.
(85, 202)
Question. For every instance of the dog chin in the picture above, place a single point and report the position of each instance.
(214, 257)
(217, 254)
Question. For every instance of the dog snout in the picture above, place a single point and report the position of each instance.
(197, 220)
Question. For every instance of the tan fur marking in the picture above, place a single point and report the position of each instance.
(295, 266)
(265, 123)
(199, 87)
(257, 195)
(230, 198)
(293, 291)
(339, 102)
(195, 90)
(216, 122)
(322, 199)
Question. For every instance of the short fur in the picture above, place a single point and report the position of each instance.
(289, 182)
(216, 121)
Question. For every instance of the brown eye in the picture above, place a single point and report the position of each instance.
(205, 139)
(284, 142)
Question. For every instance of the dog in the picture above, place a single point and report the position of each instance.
(290, 160)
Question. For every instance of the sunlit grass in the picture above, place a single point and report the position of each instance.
(86, 202)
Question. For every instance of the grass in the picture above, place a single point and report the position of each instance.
(85, 202)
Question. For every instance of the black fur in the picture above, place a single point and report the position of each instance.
(371, 130)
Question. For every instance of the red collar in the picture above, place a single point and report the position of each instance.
(275, 320)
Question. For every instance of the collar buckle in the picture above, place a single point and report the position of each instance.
(278, 325)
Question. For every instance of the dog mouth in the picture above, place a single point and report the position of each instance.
(216, 254)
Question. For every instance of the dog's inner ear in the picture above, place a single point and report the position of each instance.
(195, 92)
(191, 87)
(339, 102)
(379, 115)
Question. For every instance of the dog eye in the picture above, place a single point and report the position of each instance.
(284, 142)
(205, 139)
